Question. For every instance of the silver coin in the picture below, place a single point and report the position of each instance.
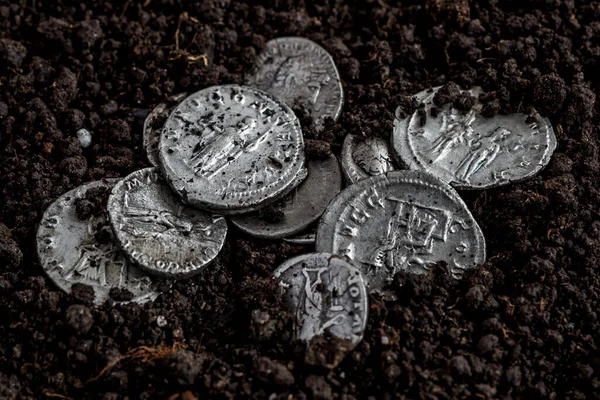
(326, 294)
(470, 151)
(153, 126)
(306, 238)
(301, 207)
(295, 69)
(403, 221)
(157, 232)
(232, 149)
(70, 252)
(365, 157)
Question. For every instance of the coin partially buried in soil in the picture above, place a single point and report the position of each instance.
(301, 207)
(159, 233)
(73, 250)
(327, 295)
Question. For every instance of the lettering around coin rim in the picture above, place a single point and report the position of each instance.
(69, 252)
(365, 157)
(403, 221)
(232, 149)
(159, 233)
(327, 294)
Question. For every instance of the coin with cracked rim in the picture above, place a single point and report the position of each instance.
(232, 149)
(158, 232)
(365, 157)
(327, 295)
(73, 251)
(296, 69)
(470, 151)
(404, 221)
(301, 207)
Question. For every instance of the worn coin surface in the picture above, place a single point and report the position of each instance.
(159, 233)
(232, 149)
(153, 126)
(72, 251)
(327, 294)
(470, 151)
(297, 70)
(301, 207)
(403, 221)
(365, 157)
(305, 238)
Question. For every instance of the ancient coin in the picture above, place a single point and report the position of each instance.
(72, 251)
(232, 149)
(306, 238)
(154, 123)
(158, 232)
(300, 208)
(326, 294)
(470, 151)
(403, 221)
(365, 157)
(299, 71)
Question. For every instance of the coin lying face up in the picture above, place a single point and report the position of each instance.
(301, 207)
(365, 157)
(327, 294)
(403, 221)
(159, 233)
(232, 149)
(295, 69)
(82, 251)
(470, 151)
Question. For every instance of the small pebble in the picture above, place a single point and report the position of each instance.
(85, 137)
(161, 321)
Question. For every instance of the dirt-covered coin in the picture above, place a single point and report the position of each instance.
(468, 150)
(403, 221)
(365, 157)
(301, 207)
(73, 250)
(297, 70)
(153, 126)
(158, 232)
(327, 295)
(232, 149)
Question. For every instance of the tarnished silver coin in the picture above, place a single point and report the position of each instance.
(232, 149)
(365, 157)
(301, 207)
(72, 251)
(306, 238)
(294, 70)
(159, 233)
(403, 221)
(470, 151)
(153, 126)
(326, 294)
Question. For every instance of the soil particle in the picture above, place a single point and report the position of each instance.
(79, 318)
(271, 371)
(12, 53)
(181, 368)
(10, 253)
(317, 149)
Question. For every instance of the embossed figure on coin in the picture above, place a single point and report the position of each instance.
(470, 151)
(82, 251)
(298, 70)
(328, 295)
(365, 157)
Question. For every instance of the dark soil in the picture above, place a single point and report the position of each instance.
(525, 325)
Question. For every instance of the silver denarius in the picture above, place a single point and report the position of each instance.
(470, 151)
(301, 207)
(294, 70)
(403, 221)
(232, 149)
(326, 294)
(72, 251)
(158, 232)
(365, 157)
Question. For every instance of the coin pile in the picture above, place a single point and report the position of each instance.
(232, 150)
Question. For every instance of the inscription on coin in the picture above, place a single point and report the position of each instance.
(327, 294)
(470, 151)
(295, 70)
(72, 251)
(403, 221)
(158, 232)
(301, 207)
(232, 149)
(365, 157)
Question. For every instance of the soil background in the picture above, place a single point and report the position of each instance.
(525, 325)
